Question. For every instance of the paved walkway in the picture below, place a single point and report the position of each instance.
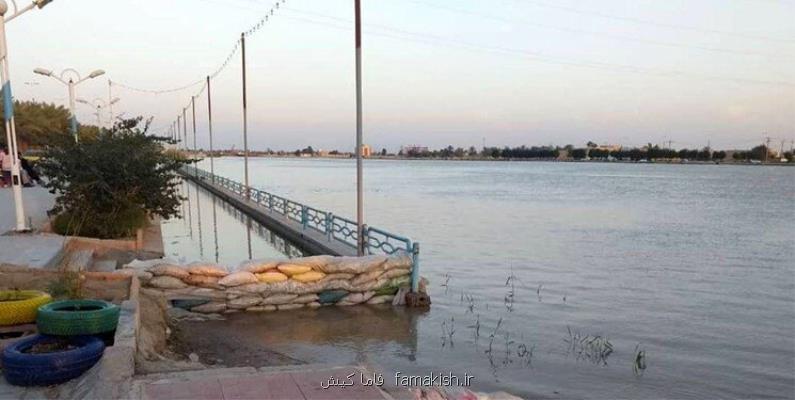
(305, 383)
(36, 201)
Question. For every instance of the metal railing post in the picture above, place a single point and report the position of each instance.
(415, 268)
(365, 239)
(304, 220)
(329, 225)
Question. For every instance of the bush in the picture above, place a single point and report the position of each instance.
(107, 186)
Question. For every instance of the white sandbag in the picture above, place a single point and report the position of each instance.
(381, 299)
(238, 278)
(397, 272)
(292, 306)
(355, 298)
(337, 277)
(208, 269)
(167, 282)
(353, 265)
(146, 264)
(400, 297)
(209, 308)
(202, 281)
(209, 293)
(169, 270)
(314, 262)
(398, 260)
(259, 266)
(366, 277)
(244, 302)
(279, 299)
(307, 298)
(261, 308)
(372, 285)
(314, 304)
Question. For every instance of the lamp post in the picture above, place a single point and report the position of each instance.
(99, 104)
(8, 106)
(71, 83)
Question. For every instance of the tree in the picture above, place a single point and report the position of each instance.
(719, 155)
(37, 124)
(383, 152)
(107, 186)
(579, 154)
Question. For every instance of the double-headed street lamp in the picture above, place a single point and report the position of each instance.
(71, 83)
(8, 106)
(99, 104)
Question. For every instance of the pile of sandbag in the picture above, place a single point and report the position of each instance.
(269, 285)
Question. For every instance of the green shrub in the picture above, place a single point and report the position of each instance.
(107, 186)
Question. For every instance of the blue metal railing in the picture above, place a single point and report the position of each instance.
(343, 230)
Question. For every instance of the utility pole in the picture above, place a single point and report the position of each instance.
(193, 107)
(179, 134)
(245, 114)
(210, 120)
(767, 146)
(781, 152)
(359, 134)
(185, 127)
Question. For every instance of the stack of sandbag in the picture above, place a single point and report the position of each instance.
(269, 285)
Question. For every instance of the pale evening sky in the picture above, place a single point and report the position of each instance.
(437, 72)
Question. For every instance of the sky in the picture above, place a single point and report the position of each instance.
(436, 72)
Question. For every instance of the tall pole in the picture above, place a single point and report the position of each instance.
(99, 117)
(210, 121)
(110, 103)
(11, 130)
(359, 183)
(185, 128)
(245, 116)
(73, 116)
(179, 134)
(193, 106)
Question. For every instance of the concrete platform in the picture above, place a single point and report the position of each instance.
(31, 250)
(299, 382)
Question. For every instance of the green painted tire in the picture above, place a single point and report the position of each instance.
(77, 317)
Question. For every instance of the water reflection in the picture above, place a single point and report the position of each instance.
(236, 236)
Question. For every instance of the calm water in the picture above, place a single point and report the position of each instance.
(694, 265)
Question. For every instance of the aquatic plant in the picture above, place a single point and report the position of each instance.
(594, 348)
(639, 361)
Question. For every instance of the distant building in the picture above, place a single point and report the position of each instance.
(414, 149)
(609, 147)
(367, 151)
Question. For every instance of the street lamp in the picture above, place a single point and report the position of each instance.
(99, 104)
(71, 83)
(8, 106)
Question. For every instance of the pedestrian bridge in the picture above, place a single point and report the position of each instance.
(312, 230)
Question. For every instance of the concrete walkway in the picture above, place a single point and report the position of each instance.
(36, 202)
(300, 382)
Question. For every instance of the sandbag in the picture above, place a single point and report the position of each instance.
(394, 273)
(258, 266)
(292, 306)
(398, 260)
(262, 308)
(147, 264)
(338, 277)
(271, 277)
(238, 278)
(381, 299)
(400, 281)
(314, 304)
(279, 299)
(244, 302)
(169, 270)
(311, 276)
(207, 269)
(209, 293)
(331, 296)
(372, 285)
(201, 281)
(307, 298)
(293, 269)
(167, 282)
(355, 298)
(400, 296)
(353, 265)
(314, 262)
(209, 308)
(366, 277)
(386, 290)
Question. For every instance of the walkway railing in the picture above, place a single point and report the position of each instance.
(334, 227)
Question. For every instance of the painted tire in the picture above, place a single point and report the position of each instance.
(25, 369)
(77, 317)
(19, 306)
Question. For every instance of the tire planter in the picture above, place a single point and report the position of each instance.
(77, 317)
(12, 334)
(21, 368)
(19, 306)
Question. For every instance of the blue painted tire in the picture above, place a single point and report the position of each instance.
(24, 369)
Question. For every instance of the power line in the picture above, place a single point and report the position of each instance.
(592, 33)
(655, 23)
(436, 40)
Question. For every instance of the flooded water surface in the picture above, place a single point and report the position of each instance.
(554, 279)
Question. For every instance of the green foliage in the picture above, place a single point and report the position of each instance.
(68, 287)
(38, 124)
(107, 186)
